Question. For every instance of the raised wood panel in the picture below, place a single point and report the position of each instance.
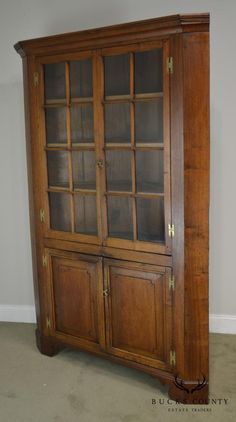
(76, 293)
(140, 323)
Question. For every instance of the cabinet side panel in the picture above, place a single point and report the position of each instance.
(177, 190)
(196, 200)
(27, 66)
(35, 177)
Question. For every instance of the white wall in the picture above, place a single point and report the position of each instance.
(22, 19)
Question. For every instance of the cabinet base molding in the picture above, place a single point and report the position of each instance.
(50, 346)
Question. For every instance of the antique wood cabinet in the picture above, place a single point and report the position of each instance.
(117, 124)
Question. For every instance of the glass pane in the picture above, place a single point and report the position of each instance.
(149, 121)
(55, 125)
(60, 216)
(117, 75)
(82, 123)
(118, 171)
(148, 71)
(85, 214)
(58, 174)
(84, 169)
(120, 217)
(150, 219)
(81, 78)
(54, 81)
(117, 122)
(149, 171)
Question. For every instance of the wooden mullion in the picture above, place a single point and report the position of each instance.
(98, 92)
(132, 127)
(55, 103)
(68, 128)
(84, 192)
(119, 193)
(144, 195)
(148, 96)
(58, 189)
(66, 148)
(81, 100)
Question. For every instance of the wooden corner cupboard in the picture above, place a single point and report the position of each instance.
(117, 124)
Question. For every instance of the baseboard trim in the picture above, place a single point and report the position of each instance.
(225, 324)
(17, 313)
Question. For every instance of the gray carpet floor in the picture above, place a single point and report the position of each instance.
(75, 386)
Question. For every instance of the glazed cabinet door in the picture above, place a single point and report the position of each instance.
(139, 312)
(77, 299)
(104, 129)
(68, 139)
(136, 137)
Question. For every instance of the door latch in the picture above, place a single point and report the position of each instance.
(106, 292)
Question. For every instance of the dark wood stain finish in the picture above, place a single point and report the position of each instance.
(112, 296)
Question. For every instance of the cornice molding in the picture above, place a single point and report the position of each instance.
(129, 32)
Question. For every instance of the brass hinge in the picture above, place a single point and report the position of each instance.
(36, 78)
(42, 215)
(172, 282)
(45, 260)
(172, 357)
(48, 323)
(171, 230)
(170, 65)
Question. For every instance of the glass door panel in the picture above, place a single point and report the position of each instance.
(82, 123)
(60, 212)
(55, 120)
(71, 165)
(117, 75)
(81, 79)
(149, 121)
(55, 81)
(84, 170)
(120, 217)
(117, 123)
(58, 169)
(148, 71)
(151, 221)
(134, 134)
(149, 171)
(85, 214)
(118, 166)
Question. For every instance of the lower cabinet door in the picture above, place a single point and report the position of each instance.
(77, 299)
(139, 312)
